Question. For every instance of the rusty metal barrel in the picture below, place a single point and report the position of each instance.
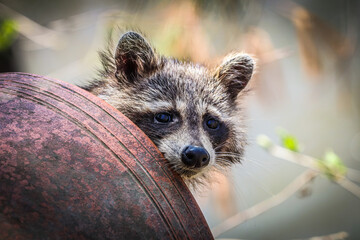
(73, 167)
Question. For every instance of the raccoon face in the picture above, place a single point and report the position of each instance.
(192, 114)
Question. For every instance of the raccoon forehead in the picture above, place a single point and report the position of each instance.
(189, 76)
(215, 111)
(189, 69)
(190, 82)
(202, 102)
(182, 107)
(201, 108)
(177, 85)
(156, 106)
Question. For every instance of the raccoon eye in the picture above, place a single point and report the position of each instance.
(212, 123)
(163, 117)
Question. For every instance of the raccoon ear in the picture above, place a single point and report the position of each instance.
(134, 58)
(235, 72)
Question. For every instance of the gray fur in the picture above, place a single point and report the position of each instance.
(140, 83)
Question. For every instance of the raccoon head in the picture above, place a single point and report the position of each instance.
(191, 113)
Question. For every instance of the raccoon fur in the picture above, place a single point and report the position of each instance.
(193, 114)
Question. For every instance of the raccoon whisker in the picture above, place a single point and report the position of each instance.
(221, 159)
(257, 163)
(219, 146)
(260, 165)
(219, 155)
(228, 154)
(229, 157)
(224, 163)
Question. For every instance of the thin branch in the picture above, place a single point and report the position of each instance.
(294, 157)
(312, 163)
(264, 206)
(350, 186)
(305, 160)
(334, 236)
(353, 174)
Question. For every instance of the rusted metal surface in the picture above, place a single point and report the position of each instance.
(73, 167)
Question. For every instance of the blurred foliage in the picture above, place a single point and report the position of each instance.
(319, 40)
(288, 141)
(332, 165)
(186, 39)
(226, 8)
(7, 33)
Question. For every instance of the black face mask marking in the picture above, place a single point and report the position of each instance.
(217, 131)
(157, 125)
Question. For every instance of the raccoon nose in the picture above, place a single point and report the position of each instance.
(193, 156)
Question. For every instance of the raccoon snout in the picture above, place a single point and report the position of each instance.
(193, 156)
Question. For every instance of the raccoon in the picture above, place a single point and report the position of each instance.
(193, 114)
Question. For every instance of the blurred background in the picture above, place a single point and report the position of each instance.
(307, 82)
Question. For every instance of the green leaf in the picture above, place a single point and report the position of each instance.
(288, 141)
(7, 33)
(332, 165)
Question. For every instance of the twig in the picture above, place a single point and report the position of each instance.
(262, 207)
(312, 163)
(294, 157)
(334, 236)
(353, 175)
(350, 186)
